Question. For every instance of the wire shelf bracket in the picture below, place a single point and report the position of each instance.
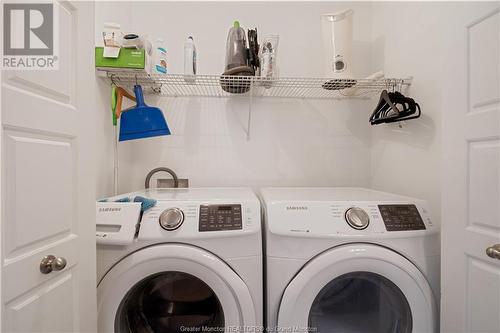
(179, 85)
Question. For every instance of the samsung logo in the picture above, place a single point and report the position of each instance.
(297, 208)
(299, 230)
(109, 209)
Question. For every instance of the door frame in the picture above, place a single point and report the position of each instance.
(232, 292)
(301, 292)
(468, 227)
(82, 275)
(1, 178)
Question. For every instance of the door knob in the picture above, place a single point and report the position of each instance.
(51, 263)
(493, 251)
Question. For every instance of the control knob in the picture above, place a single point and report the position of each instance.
(171, 218)
(357, 218)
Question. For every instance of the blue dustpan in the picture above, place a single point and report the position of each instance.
(142, 121)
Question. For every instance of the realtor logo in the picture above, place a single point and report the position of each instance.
(29, 36)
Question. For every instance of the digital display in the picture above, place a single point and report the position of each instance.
(220, 217)
(401, 217)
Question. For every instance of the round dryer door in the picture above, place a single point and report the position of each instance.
(358, 288)
(173, 288)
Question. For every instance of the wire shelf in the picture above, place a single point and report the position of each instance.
(178, 85)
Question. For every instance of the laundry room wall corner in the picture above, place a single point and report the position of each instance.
(106, 11)
(406, 159)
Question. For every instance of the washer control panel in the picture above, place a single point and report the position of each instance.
(401, 217)
(220, 217)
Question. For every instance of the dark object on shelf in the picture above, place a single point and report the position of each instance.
(236, 64)
(393, 107)
(236, 48)
(339, 84)
(131, 36)
(253, 50)
(236, 80)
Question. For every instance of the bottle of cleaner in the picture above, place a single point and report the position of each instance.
(189, 60)
(159, 57)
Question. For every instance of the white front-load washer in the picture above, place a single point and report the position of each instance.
(350, 260)
(193, 265)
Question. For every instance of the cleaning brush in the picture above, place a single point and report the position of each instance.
(146, 203)
(124, 199)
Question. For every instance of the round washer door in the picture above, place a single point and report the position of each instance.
(358, 288)
(172, 288)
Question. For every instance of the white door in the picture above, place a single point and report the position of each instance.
(48, 190)
(173, 288)
(470, 300)
(358, 288)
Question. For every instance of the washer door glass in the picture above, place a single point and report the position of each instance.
(169, 302)
(360, 302)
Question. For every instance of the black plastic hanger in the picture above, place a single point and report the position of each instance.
(393, 107)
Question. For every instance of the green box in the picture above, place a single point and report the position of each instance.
(132, 59)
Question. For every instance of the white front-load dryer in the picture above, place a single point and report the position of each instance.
(350, 260)
(194, 264)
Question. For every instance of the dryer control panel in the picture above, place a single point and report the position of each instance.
(399, 217)
(220, 217)
(345, 213)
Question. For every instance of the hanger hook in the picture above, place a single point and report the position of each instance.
(135, 79)
(386, 84)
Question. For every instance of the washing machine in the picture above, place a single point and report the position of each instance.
(192, 263)
(350, 260)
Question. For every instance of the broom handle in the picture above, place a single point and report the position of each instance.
(115, 162)
(138, 95)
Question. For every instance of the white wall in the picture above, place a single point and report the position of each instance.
(407, 40)
(293, 142)
(106, 12)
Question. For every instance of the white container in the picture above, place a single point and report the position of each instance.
(336, 30)
(111, 36)
(189, 60)
(159, 63)
(267, 57)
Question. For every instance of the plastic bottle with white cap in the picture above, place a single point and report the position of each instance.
(189, 60)
(159, 57)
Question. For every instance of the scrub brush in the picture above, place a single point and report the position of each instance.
(146, 203)
(124, 199)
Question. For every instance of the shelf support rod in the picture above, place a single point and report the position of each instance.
(250, 102)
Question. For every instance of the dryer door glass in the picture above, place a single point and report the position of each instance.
(170, 302)
(360, 302)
